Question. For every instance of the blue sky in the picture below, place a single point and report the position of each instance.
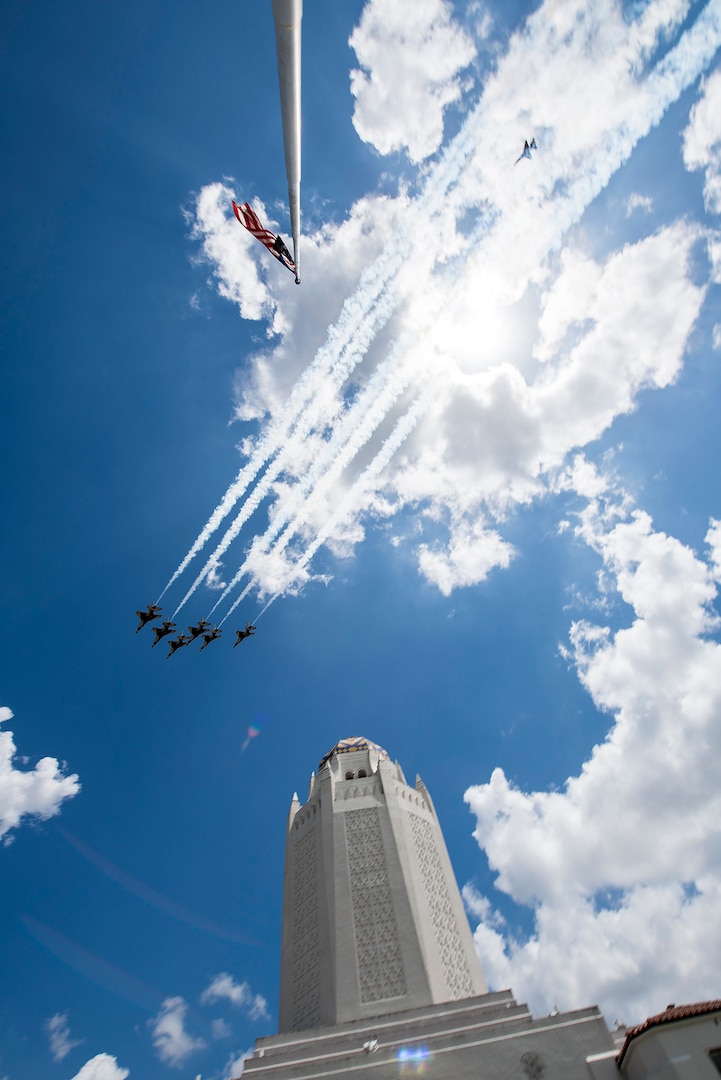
(501, 489)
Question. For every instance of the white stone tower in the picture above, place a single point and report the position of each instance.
(373, 922)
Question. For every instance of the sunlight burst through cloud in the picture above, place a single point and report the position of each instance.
(498, 423)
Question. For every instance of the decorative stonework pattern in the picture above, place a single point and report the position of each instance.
(306, 960)
(448, 939)
(378, 948)
(349, 790)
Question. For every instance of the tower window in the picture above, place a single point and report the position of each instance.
(362, 772)
(349, 776)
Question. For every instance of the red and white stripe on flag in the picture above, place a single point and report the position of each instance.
(247, 217)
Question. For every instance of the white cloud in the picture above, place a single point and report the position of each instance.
(567, 301)
(214, 578)
(220, 1029)
(223, 987)
(493, 437)
(58, 1030)
(469, 557)
(638, 202)
(236, 1064)
(172, 1042)
(410, 56)
(717, 336)
(38, 792)
(713, 539)
(102, 1067)
(628, 854)
(531, 349)
(702, 140)
(228, 247)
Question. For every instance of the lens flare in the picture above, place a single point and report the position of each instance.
(413, 1059)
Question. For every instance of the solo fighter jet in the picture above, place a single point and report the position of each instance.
(147, 616)
(177, 643)
(163, 630)
(527, 147)
(212, 636)
(243, 634)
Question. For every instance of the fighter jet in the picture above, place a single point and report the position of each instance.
(243, 634)
(177, 643)
(197, 630)
(147, 616)
(212, 636)
(527, 147)
(162, 631)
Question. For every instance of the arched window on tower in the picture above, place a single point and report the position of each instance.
(362, 772)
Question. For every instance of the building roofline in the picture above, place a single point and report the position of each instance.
(670, 1014)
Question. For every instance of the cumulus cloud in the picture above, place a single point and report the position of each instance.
(38, 792)
(410, 57)
(467, 559)
(172, 1042)
(702, 140)
(224, 988)
(336, 255)
(58, 1030)
(102, 1067)
(494, 438)
(227, 246)
(628, 853)
(638, 202)
(713, 539)
(530, 343)
(236, 1064)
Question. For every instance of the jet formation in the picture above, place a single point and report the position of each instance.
(201, 629)
(287, 15)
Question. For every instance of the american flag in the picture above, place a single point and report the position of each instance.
(250, 220)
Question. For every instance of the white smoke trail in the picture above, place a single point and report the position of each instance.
(357, 322)
(358, 427)
(347, 340)
(304, 424)
(352, 500)
(671, 76)
(238, 601)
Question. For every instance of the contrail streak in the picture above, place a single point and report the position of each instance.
(353, 321)
(355, 495)
(356, 428)
(151, 896)
(678, 69)
(671, 76)
(304, 422)
(353, 327)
